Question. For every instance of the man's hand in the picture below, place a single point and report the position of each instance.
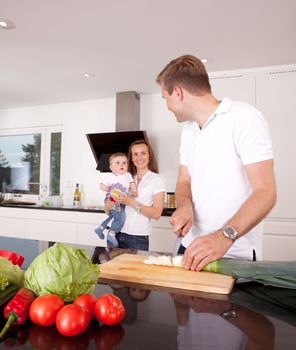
(205, 249)
(182, 219)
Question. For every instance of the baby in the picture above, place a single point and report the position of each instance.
(117, 182)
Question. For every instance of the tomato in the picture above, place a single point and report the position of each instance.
(109, 309)
(88, 302)
(107, 337)
(44, 309)
(72, 319)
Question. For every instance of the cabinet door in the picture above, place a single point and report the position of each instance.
(162, 238)
(275, 97)
(238, 87)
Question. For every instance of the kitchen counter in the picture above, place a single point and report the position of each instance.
(88, 209)
(158, 320)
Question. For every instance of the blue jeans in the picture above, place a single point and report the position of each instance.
(126, 241)
(118, 220)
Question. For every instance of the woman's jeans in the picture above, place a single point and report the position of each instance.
(126, 241)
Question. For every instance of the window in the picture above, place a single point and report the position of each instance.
(29, 159)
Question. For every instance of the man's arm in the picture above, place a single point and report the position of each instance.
(182, 218)
(206, 249)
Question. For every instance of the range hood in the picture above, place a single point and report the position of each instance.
(127, 130)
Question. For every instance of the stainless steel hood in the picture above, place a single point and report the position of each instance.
(126, 130)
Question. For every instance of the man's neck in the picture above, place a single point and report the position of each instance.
(204, 107)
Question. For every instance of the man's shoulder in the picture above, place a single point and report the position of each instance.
(243, 107)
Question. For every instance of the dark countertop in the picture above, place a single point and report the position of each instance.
(253, 316)
(84, 209)
(164, 321)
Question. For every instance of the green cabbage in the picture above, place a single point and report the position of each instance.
(62, 270)
(9, 274)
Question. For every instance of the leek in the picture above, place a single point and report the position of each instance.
(270, 273)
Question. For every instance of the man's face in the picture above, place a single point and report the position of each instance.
(174, 103)
(118, 165)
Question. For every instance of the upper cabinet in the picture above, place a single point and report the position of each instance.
(276, 99)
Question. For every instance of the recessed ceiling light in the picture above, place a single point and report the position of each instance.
(89, 75)
(6, 24)
(204, 60)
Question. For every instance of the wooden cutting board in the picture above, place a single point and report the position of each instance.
(130, 269)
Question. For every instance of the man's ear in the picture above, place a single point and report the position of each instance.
(178, 90)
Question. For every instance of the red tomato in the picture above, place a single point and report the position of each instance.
(72, 319)
(88, 302)
(109, 309)
(44, 309)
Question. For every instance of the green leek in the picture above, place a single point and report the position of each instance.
(270, 273)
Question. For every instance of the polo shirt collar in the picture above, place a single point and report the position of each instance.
(223, 107)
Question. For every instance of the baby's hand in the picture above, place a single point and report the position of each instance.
(133, 193)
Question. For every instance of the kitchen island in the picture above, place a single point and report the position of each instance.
(251, 316)
(160, 320)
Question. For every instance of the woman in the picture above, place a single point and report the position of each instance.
(149, 202)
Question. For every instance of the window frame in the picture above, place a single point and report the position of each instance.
(45, 156)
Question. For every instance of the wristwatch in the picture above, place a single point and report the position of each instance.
(138, 207)
(230, 232)
(229, 315)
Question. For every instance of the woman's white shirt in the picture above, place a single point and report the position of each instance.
(135, 222)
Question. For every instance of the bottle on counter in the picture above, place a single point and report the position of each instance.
(77, 196)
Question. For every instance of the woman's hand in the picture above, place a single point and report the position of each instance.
(125, 200)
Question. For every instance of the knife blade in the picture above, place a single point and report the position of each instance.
(176, 246)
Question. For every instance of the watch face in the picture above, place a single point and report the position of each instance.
(230, 232)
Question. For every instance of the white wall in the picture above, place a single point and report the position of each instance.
(77, 119)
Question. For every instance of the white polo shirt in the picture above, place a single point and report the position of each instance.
(235, 135)
(135, 222)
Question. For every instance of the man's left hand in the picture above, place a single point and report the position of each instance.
(205, 249)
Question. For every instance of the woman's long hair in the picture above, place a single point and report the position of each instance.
(152, 165)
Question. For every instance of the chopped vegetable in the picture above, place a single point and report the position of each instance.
(9, 273)
(62, 270)
(17, 310)
(15, 258)
(272, 273)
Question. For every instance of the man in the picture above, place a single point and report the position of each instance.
(226, 183)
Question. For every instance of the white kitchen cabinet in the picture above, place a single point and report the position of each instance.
(275, 97)
(162, 238)
(51, 225)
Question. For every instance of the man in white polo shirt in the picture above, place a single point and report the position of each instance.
(226, 183)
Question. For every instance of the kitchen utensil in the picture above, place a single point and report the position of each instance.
(130, 269)
(176, 246)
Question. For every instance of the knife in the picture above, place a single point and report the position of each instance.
(176, 246)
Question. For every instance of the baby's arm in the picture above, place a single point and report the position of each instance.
(104, 187)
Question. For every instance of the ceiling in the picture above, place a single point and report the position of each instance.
(125, 43)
